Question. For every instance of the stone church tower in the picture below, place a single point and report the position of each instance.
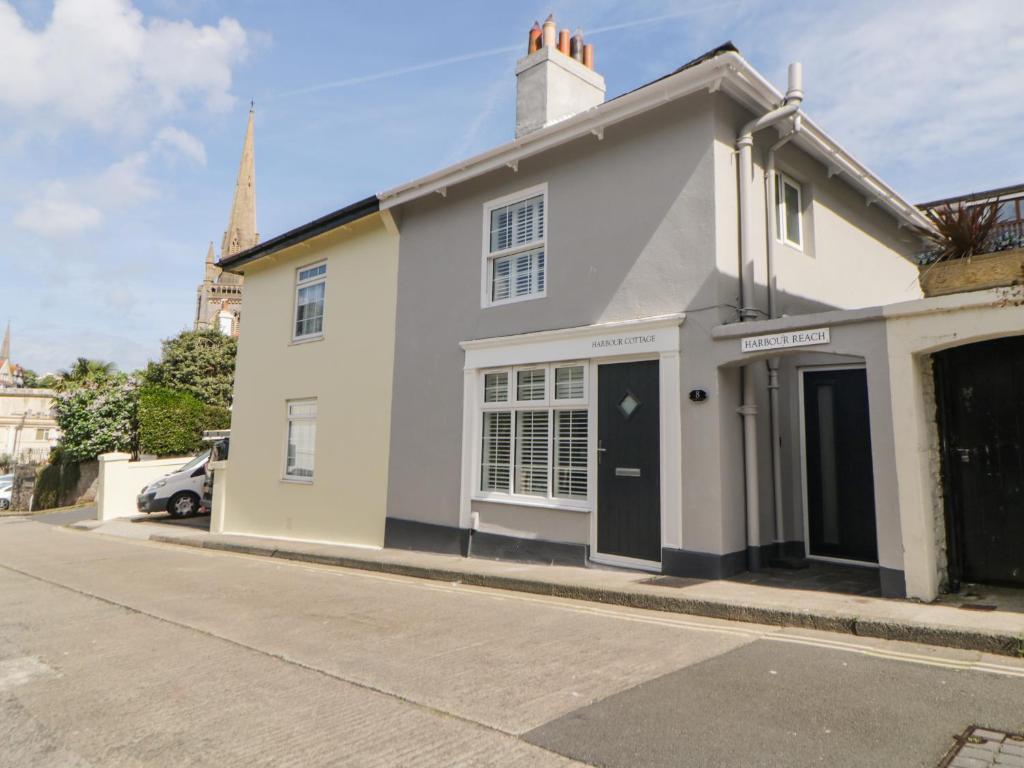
(219, 297)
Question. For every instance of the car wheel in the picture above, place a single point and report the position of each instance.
(183, 504)
(5, 504)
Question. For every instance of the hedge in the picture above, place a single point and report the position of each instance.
(171, 422)
(56, 480)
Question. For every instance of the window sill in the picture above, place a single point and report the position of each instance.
(297, 480)
(529, 501)
(516, 300)
(306, 340)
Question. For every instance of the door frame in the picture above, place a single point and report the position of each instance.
(802, 370)
(668, 382)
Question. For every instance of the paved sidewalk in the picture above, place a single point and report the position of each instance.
(1000, 632)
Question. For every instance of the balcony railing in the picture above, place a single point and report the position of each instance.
(1009, 228)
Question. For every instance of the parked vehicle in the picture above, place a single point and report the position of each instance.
(5, 494)
(178, 493)
(219, 453)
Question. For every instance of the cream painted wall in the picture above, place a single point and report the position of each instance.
(348, 371)
(121, 479)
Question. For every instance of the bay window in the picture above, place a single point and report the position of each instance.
(534, 440)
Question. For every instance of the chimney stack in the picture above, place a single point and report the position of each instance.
(556, 78)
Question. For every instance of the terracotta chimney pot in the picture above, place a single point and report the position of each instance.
(563, 41)
(534, 39)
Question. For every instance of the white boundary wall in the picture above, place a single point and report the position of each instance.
(121, 480)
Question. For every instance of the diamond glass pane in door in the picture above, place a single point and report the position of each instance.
(628, 404)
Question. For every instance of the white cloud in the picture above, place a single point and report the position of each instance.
(928, 90)
(61, 209)
(100, 63)
(175, 140)
(55, 214)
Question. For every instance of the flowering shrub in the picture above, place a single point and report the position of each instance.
(98, 416)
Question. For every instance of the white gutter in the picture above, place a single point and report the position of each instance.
(748, 409)
(771, 206)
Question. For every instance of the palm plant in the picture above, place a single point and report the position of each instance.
(82, 371)
(961, 231)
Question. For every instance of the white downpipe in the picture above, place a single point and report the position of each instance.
(771, 206)
(748, 409)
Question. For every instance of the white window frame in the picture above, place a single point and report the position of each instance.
(300, 284)
(551, 405)
(291, 478)
(782, 229)
(488, 258)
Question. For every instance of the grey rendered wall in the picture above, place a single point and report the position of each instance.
(854, 255)
(630, 234)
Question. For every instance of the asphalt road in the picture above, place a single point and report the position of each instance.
(123, 652)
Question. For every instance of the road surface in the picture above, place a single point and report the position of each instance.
(117, 652)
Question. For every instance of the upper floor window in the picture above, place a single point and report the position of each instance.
(788, 211)
(310, 288)
(515, 263)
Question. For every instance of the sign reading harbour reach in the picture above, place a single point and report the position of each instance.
(806, 338)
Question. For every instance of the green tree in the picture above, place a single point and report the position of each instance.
(199, 362)
(29, 378)
(97, 415)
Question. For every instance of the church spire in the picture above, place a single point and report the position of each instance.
(241, 232)
(5, 348)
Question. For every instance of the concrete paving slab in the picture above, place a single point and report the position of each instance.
(426, 640)
(121, 689)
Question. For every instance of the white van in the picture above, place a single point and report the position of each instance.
(178, 493)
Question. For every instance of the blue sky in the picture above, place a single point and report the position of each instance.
(121, 122)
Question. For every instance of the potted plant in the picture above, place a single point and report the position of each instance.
(965, 255)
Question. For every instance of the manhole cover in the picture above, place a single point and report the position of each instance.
(978, 747)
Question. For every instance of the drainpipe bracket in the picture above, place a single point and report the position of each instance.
(747, 410)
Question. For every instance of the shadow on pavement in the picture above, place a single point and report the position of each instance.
(198, 522)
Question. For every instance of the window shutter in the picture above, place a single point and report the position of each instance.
(530, 384)
(532, 446)
(496, 387)
(569, 383)
(497, 451)
(571, 453)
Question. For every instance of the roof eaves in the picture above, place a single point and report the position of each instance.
(687, 80)
(721, 67)
(333, 220)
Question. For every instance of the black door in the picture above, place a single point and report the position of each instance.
(840, 481)
(980, 389)
(628, 471)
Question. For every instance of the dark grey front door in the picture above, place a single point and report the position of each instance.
(628, 468)
(840, 478)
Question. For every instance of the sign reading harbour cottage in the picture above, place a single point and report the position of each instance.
(622, 341)
(806, 338)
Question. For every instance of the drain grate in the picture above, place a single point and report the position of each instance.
(980, 747)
